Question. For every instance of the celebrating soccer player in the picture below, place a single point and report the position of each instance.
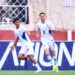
(26, 47)
(46, 28)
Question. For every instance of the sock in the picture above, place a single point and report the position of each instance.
(51, 60)
(37, 66)
(49, 57)
(55, 60)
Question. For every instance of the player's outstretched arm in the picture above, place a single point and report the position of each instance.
(59, 29)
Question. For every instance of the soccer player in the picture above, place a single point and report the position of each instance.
(46, 28)
(26, 47)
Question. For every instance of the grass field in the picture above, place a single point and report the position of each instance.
(19, 72)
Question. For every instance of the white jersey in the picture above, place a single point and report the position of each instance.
(22, 35)
(46, 34)
(45, 29)
(26, 46)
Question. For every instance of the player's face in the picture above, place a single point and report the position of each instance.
(42, 17)
(17, 23)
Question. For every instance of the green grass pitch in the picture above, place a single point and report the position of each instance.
(24, 72)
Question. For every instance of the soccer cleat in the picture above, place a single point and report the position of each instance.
(55, 68)
(38, 71)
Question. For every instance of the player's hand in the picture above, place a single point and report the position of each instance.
(12, 48)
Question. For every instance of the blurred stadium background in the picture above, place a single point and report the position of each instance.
(60, 12)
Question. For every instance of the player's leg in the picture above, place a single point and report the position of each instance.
(30, 54)
(47, 52)
(35, 63)
(32, 59)
(21, 54)
(46, 49)
(53, 54)
(55, 67)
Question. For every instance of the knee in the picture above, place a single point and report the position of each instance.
(30, 57)
(53, 53)
(20, 56)
(47, 52)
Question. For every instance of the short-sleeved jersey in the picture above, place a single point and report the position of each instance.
(21, 34)
(45, 28)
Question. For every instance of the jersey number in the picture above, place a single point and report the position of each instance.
(44, 32)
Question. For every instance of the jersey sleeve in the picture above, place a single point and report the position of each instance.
(51, 25)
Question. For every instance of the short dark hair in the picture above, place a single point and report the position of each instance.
(41, 13)
(15, 19)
